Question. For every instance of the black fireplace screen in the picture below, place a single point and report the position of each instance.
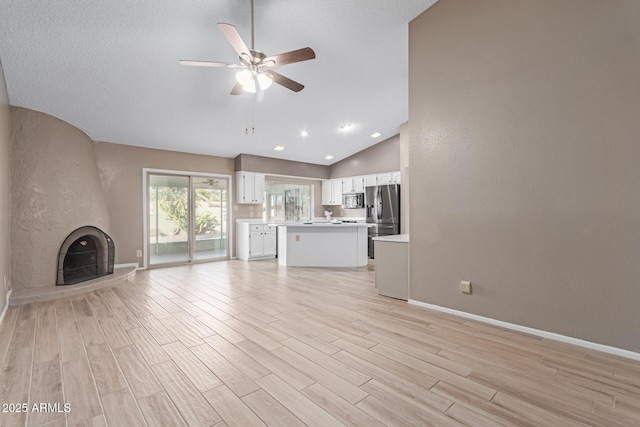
(86, 254)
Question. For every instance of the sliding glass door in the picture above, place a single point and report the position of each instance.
(187, 218)
(210, 218)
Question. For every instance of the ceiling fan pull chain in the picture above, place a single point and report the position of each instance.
(246, 115)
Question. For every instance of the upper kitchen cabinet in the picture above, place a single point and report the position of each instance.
(388, 178)
(370, 180)
(353, 185)
(250, 187)
(332, 192)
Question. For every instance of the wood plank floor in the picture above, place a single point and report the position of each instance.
(242, 344)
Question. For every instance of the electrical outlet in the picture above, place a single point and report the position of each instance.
(297, 237)
(465, 287)
(139, 253)
(235, 208)
(251, 214)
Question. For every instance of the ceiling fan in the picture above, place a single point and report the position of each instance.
(257, 67)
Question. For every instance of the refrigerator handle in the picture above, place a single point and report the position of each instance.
(379, 203)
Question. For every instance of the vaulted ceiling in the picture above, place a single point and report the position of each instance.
(110, 68)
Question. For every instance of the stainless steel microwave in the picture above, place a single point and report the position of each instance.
(353, 201)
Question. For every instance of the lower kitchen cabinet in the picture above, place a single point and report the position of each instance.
(255, 241)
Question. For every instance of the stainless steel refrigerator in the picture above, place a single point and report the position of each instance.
(382, 205)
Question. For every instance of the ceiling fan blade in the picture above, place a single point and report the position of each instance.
(237, 89)
(285, 81)
(299, 55)
(191, 63)
(233, 37)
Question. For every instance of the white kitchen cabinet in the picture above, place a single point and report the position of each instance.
(388, 178)
(385, 178)
(249, 187)
(370, 180)
(269, 241)
(353, 184)
(255, 241)
(332, 192)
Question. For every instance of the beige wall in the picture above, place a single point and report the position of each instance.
(55, 189)
(405, 226)
(524, 153)
(5, 190)
(120, 169)
(269, 165)
(382, 157)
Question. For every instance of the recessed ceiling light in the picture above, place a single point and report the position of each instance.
(346, 126)
(376, 134)
(329, 157)
(279, 148)
(304, 133)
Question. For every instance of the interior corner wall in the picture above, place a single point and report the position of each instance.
(524, 131)
(5, 191)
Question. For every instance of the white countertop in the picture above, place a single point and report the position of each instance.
(324, 224)
(361, 221)
(396, 238)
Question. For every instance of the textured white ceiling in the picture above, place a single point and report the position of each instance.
(110, 67)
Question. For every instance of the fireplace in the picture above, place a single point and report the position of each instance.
(86, 254)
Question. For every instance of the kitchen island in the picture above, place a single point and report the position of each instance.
(324, 244)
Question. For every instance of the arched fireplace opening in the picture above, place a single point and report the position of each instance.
(87, 253)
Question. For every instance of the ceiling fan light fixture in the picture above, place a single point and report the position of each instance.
(244, 77)
(250, 87)
(248, 82)
(264, 81)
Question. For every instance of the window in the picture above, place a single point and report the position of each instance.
(275, 207)
(287, 202)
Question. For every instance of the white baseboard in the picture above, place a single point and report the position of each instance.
(544, 334)
(6, 306)
(131, 264)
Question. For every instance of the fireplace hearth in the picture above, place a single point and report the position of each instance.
(87, 253)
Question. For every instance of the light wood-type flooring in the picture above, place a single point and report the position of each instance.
(247, 344)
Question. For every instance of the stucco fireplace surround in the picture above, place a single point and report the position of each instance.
(57, 199)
